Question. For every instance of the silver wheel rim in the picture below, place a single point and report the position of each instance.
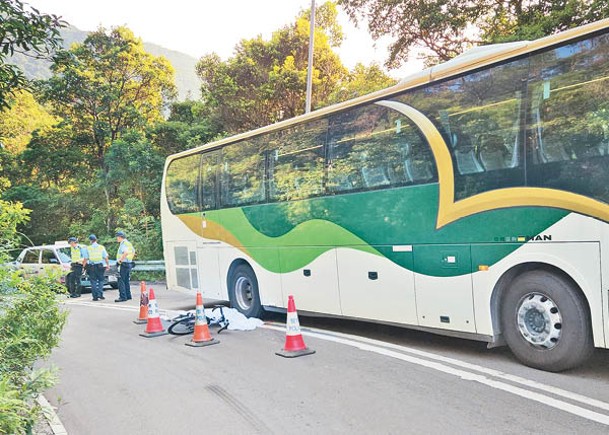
(539, 320)
(244, 293)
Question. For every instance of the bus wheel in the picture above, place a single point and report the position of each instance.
(243, 291)
(546, 322)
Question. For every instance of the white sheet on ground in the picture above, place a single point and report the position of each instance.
(236, 320)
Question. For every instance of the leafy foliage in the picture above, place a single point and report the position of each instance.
(109, 84)
(144, 229)
(30, 326)
(265, 81)
(12, 214)
(24, 117)
(135, 173)
(28, 31)
(103, 88)
(444, 28)
(54, 213)
(361, 80)
(54, 157)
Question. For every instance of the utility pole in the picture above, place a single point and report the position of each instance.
(310, 65)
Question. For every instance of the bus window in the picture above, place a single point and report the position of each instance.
(297, 160)
(242, 174)
(374, 147)
(209, 180)
(479, 116)
(569, 118)
(181, 184)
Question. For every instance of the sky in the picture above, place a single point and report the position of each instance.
(198, 27)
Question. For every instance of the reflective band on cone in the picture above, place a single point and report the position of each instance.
(201, 336)
(154, 327)
(294, 343)
(143, 317)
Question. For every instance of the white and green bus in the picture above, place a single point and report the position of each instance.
(471, 199)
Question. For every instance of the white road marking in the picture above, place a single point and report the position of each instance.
(495, 373)
(103, 305)
(389, 350)
(359, 343)
(130, 308)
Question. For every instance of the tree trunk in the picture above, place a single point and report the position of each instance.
(105, 170)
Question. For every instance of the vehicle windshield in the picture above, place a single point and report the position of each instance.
(64, 254)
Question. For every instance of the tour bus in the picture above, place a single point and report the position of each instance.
(471, 200)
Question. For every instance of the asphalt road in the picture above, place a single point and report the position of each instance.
(364, 378)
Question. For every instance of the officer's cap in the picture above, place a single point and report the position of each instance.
(92, 237)
(72, 239)
(120, 234)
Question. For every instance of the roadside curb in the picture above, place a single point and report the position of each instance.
(51, 416)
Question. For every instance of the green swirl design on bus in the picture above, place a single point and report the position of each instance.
(284, 237)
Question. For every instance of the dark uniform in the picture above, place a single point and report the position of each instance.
(79, 256)
(97, 258)
(124, 259)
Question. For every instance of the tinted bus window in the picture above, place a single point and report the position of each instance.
(569, 118)
(479, 116)
(297, 161)
(375, 147)
(242, 173)
(210, 164)
(181, 184)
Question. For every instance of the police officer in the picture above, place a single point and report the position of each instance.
(97, 257)
(79, 256)
(124, 260)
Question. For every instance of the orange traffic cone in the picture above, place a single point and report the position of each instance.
(294, 344)
(201, 337)
(154, 327)
(143, 317)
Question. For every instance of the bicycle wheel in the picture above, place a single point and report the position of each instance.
(182, 326)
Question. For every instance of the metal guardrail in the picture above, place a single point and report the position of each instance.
(150, 266)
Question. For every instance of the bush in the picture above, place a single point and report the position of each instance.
(31, 322)
(147, 275)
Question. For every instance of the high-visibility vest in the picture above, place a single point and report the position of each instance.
(75, 254)
(96, 253)
(128, 247)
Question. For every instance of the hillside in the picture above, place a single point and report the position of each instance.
(186, 79)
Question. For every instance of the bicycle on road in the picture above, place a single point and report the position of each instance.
(184, 324)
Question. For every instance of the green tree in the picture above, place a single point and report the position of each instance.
(173, 136)
(12, 214)
(190, 124)
(143, 229)
(18, 122)
(136, 169)
(54, 158)
(361, 80)
(53, 211)
(24, 30)
(105, 86)
(108, 85)
(444, 28)
(265, 81)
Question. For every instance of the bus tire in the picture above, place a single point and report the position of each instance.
(243, 291)
(546, 322)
